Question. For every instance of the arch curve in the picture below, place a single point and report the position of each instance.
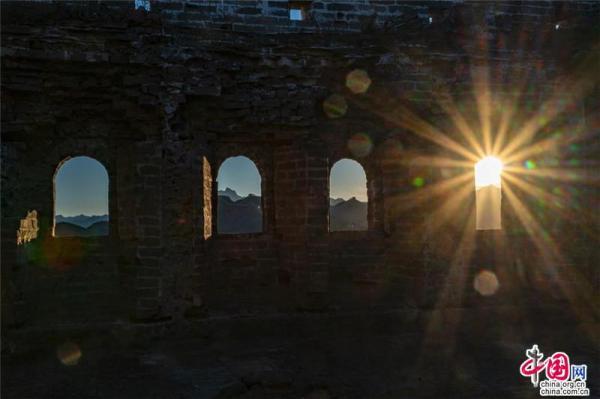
(81, 204)
(239, 196)
(348, 196)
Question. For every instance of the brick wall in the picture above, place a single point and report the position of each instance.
(151, 95)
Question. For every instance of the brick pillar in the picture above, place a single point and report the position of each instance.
(316, 243)
(406, 257)
(125, 217)
(148, 217)
(301, 206)
(180, 189)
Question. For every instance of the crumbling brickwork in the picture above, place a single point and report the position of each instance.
(28, 228)
(162, 98)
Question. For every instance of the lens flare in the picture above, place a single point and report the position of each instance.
(62, 255)
(393, 148)
(541, 160)
(358, 81)
(69, 353)
(418, 181)
(488, 194)
(487, 172)
(486, 283)
(360, 145)
(335, 106)
(529, 164)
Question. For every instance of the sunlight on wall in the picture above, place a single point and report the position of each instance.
(28, 229)
(207, 197)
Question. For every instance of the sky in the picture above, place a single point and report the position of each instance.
(348, 180)
(81, 184)
(239, 174)
(81, 187)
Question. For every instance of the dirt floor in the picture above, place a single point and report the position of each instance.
(457, 353)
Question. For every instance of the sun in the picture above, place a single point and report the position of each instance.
(488, 171)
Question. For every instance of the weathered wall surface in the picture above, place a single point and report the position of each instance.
(151, 94)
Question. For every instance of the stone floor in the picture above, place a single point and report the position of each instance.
(457, 353)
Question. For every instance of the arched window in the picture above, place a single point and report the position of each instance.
(239, 206)
(348, 201)
(488, 194)
(80, 198)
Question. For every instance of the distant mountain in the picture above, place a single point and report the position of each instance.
(84, 221)
(348, 215)
(98, 229)
(335, 201)
(236, 214)
(231, 194)
(250, 200)
(64, 229)
(241, 216)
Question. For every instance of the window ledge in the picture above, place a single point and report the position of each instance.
(237, 236)
(354, 234)
(93, 239)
